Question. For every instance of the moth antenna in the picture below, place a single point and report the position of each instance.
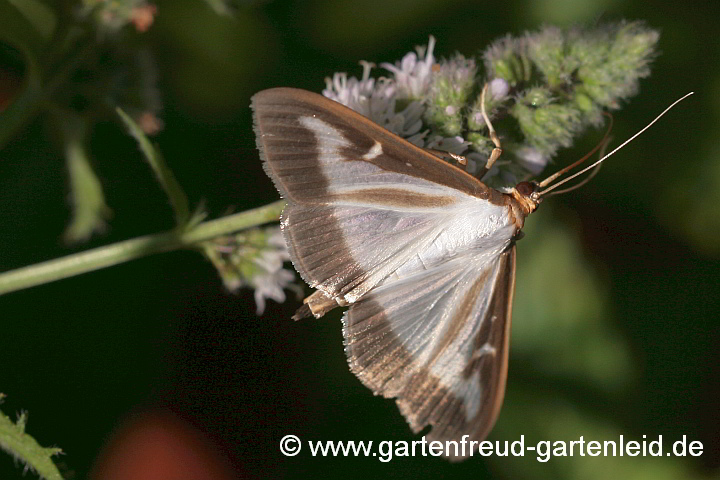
(603, 148)
(584, 157)
(605, 157)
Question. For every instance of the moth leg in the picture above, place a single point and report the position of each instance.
(317, 305)
(460, 159)
(497, 151)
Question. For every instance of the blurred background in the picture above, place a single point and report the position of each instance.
(615, 322)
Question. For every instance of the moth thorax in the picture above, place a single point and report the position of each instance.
(522, 202)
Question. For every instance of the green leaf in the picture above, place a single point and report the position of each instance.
(25, 448)
(89, 208)
(39, 15)
(167, 180)
(18, 30)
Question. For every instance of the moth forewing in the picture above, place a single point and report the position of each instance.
(305, 136)
(342, 189)
(421, 251)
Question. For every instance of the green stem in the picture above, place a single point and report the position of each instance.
(127, 250)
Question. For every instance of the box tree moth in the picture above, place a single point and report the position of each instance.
(421, 251)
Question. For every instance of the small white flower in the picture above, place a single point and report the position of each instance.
(413, 76)
(498, 175)
(418, 139)
(478, 119)
(476, 162)
(360, 95)
(499, 88)
(270, 283)
(276, 239)
(375, 100)
(412, 79)
(371, 98)
(271, 278)
(532, 160)
(457, 145)
(453, 78)
(408, 122)
(254, 259)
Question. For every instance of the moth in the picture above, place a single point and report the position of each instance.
(422, 252)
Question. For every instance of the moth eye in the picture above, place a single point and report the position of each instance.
(524, 188)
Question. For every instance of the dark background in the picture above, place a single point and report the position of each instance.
(615, 326)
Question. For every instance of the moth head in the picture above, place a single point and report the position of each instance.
(525, 195)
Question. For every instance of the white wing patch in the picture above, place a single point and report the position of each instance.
(356, 181)
(374, 152)
(444, 348)
(436, 341)
(391, 237)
